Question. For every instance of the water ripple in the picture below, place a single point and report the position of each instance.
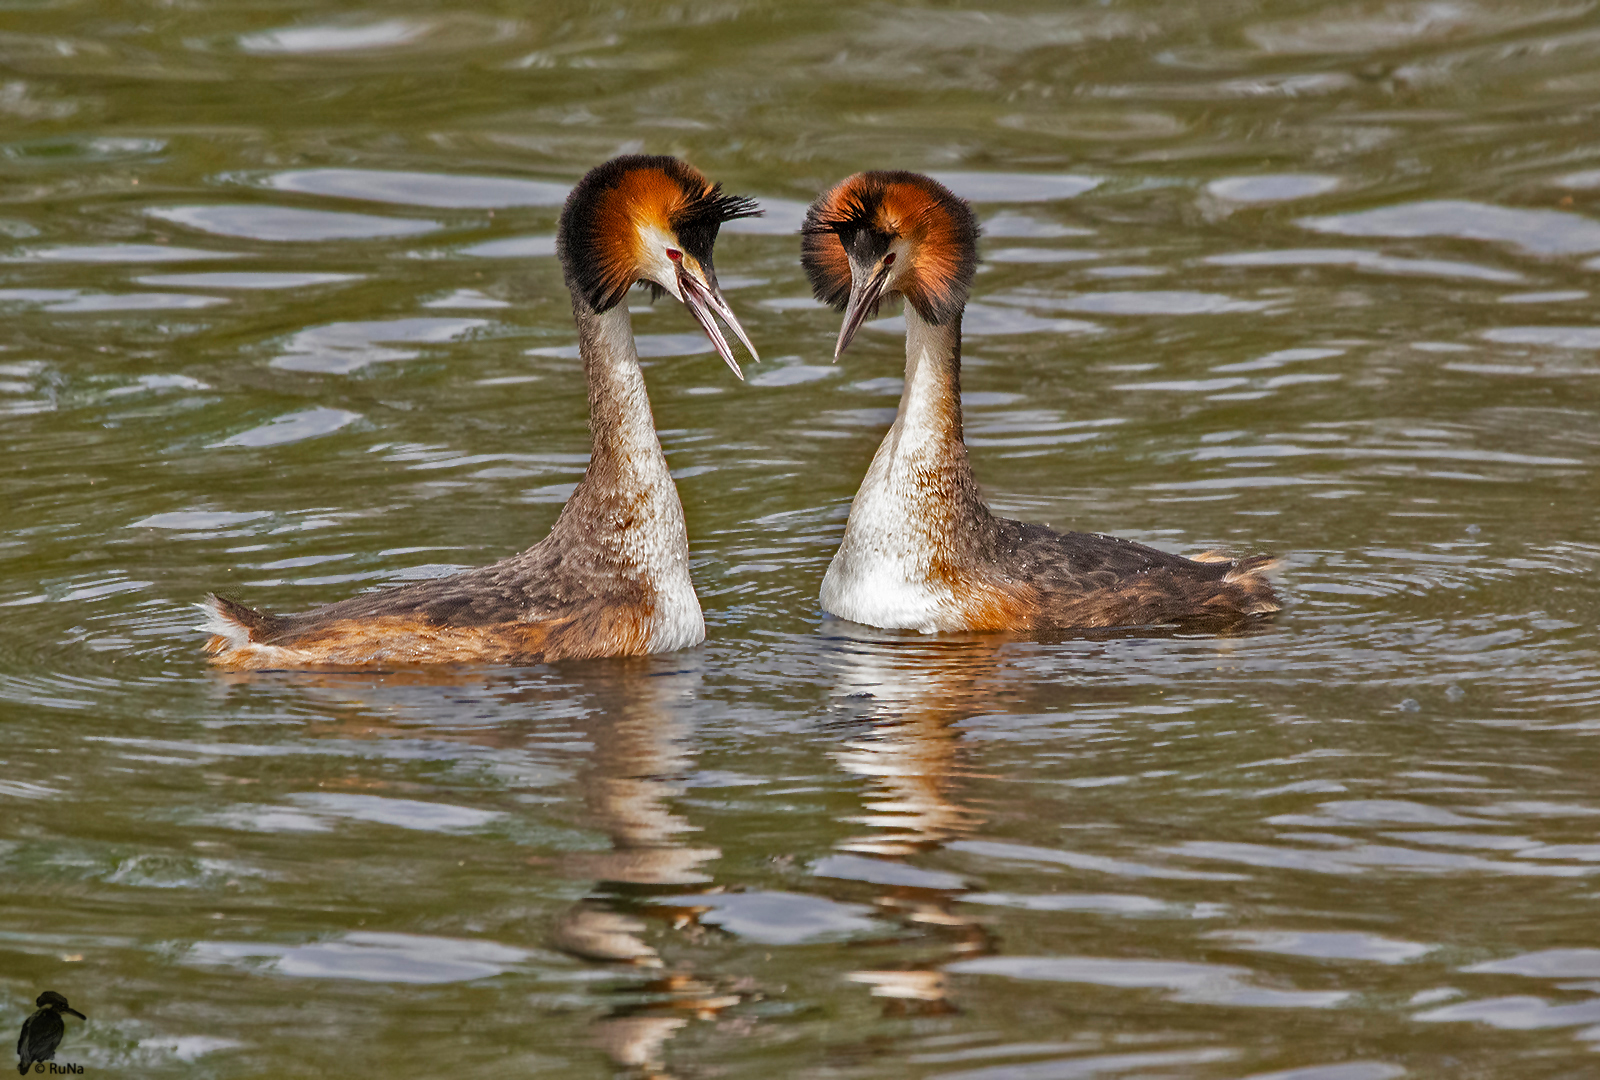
(1538, 232)
(286, 224)
(1210, 984)
(369, 957)
(442, 190)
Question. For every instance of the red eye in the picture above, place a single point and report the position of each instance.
(888, 260)
(674, 255)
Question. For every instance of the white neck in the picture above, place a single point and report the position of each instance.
(624, 445)
(930, 404)
(906, 511)
(627, 505)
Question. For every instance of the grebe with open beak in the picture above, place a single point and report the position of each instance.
(921, 550)
(612, 578)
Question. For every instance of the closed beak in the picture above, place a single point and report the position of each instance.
(865, 293)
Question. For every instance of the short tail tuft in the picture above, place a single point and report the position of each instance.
(232, 624)
(1250, 573)
(1252, 566)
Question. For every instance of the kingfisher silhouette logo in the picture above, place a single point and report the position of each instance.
(41, 1034)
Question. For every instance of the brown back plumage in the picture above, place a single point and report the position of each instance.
(557, 600)
(1088, 580)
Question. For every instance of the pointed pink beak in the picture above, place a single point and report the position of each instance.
(704, 303)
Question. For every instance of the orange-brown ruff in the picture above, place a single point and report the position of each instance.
(612, 578)
(921, 550)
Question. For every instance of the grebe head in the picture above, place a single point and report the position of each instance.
(880, 233)
(649, 219)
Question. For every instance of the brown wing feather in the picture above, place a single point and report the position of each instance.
(258, 624)
(1087, 580)
(544, 604)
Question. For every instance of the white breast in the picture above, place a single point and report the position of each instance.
(677, 622)
(653, 543)
(881, 574)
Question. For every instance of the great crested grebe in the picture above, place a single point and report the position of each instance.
(612, 578)
(921, 551)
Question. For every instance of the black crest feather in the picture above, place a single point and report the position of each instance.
(699, 220)
(861, 216)
(595, 248)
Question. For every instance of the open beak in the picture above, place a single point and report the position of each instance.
(704, 302)
(865, 293)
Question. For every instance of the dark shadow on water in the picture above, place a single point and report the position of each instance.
(836, 631)
(1222, 626)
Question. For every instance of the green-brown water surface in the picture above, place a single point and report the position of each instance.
(282, 318)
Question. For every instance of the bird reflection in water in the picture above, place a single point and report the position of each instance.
(641, 752)
(635, 719)
(906, 699)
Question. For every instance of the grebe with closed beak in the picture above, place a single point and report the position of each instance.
(921, 550)
(612, 577)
